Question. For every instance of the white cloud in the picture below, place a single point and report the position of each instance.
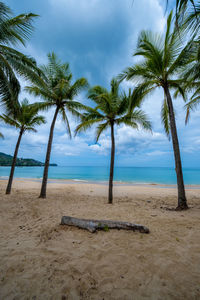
(128, 140)
(156, 153)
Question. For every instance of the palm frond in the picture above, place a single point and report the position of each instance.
(192, 104)
(9, 85)
(66, 121)
(25, 117)
(14, 30)
(193, 19)
(80, 85)
(37, 120)
(29, 128)
(86, 124)
(179, 88)
(95, 91)
(101, 97)
(24, 65)
(9, 121)
(183, 58)
(165, 118)
(150, 46)
(138, 73)
(17, 29)
(114, 87)
(44, 93)
(100, 129)
(136, 118)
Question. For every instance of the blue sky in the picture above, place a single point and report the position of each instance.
(98, 38)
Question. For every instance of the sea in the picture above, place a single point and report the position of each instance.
(133, 175)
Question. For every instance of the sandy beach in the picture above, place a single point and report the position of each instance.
(40, 259)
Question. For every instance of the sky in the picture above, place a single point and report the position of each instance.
(98, 38)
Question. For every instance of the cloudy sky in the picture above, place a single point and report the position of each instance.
(98, 38)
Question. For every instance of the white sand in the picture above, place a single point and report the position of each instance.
(40, 259)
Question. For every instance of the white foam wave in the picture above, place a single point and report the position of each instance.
(79, 180)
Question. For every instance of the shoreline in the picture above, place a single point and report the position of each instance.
(99, 182)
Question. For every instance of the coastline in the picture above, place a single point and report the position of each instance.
(123, 175)
(99, 182)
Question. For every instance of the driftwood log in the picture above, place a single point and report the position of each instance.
(93, 225)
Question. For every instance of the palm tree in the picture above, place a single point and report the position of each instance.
(113, 108)
(24, 120)
(13, 31)
(57, 90)
(163, 59)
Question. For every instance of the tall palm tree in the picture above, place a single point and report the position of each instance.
(57, 90)
(14, 30)
(163, 58)
(24, 120)
(113, 108)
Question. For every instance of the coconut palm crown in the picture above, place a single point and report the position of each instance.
(113, 108)
(14, 31)
(24, 119)
(163, 59)
(57, 90)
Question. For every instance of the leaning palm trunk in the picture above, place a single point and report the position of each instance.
(110, 192)
(46, 166)
(182, 202)
(9, 186)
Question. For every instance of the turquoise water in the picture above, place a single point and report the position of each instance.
(124, 174)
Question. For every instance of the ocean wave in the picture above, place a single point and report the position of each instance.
(79, 180)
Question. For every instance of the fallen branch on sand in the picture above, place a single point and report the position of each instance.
(93, 225)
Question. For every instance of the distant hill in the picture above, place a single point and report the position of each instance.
(6, 160)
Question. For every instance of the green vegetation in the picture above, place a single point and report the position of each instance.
(13, 31)
(6, 160)
(106, 228)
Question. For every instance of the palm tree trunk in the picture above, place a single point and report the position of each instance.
(110, 193)
(182, 201)
(46, 166)
(9, 185)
